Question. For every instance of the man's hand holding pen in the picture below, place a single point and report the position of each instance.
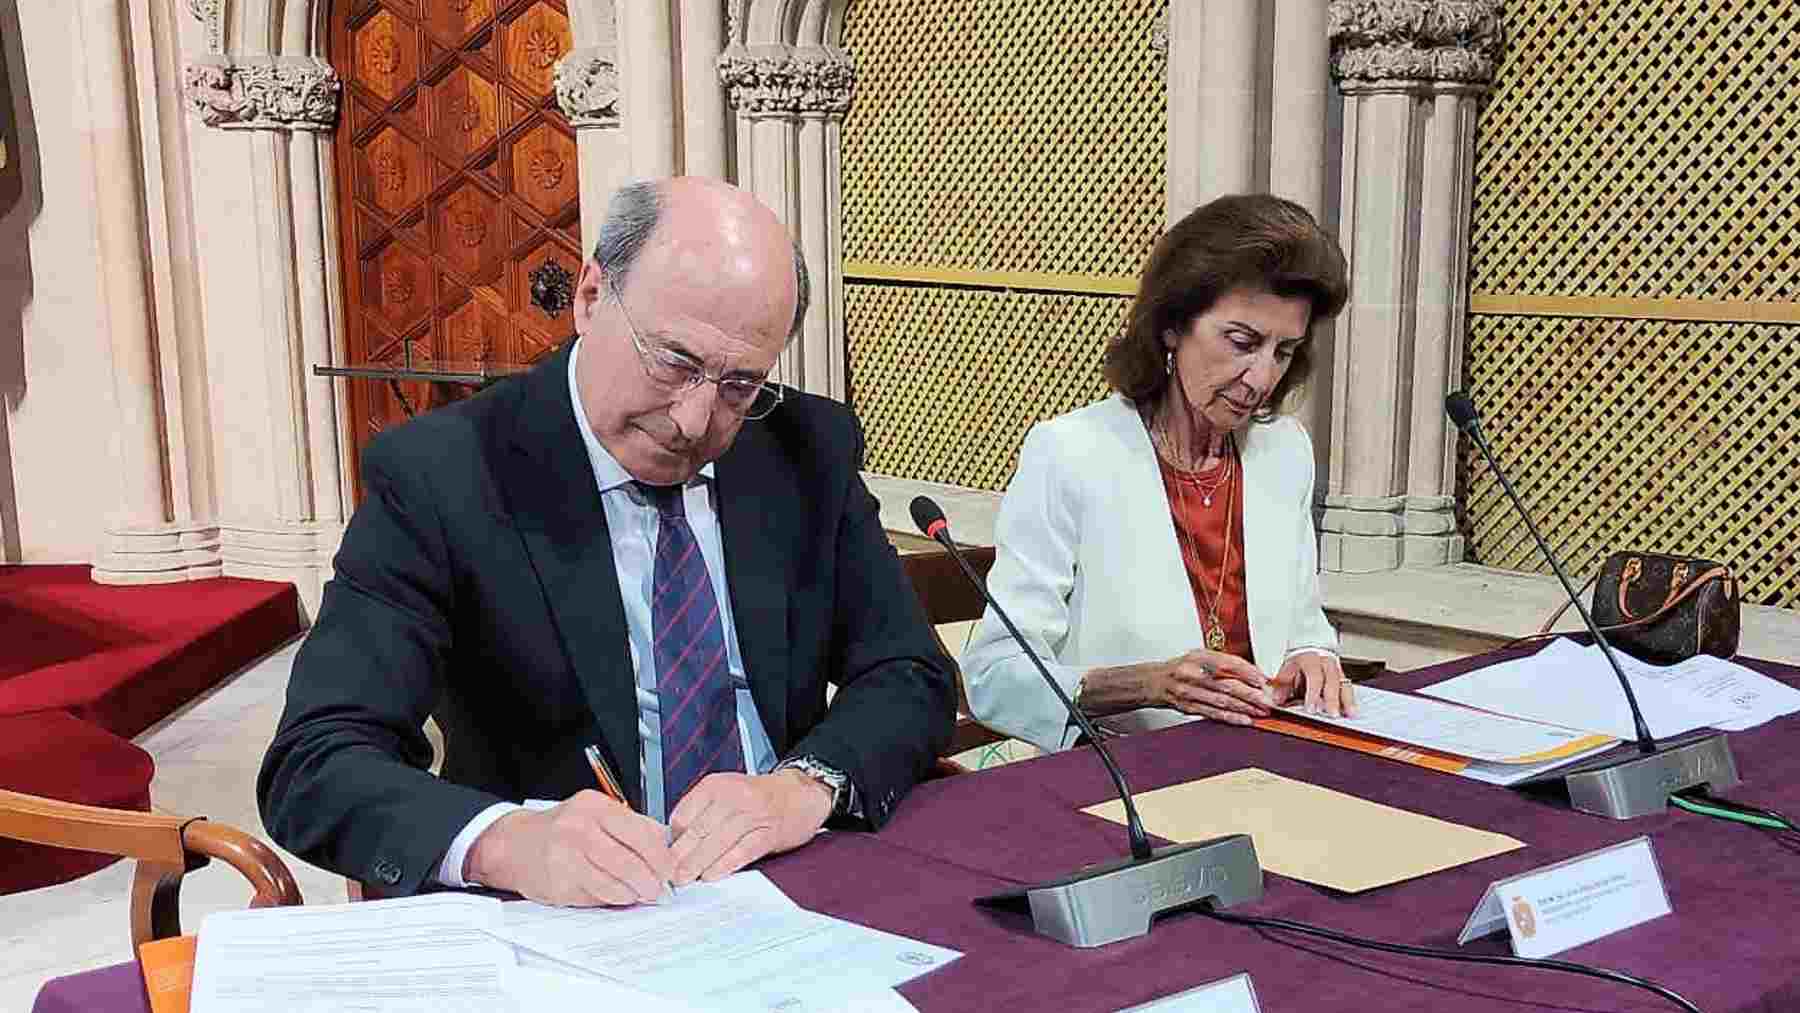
(589, 850)
(593, 849)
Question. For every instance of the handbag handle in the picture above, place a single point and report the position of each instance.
(1716, 573)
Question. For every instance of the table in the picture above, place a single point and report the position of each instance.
(963, 837)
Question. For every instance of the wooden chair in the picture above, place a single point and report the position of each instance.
(166, 848)
(948, 598)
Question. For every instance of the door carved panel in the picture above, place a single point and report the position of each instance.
(456, 177)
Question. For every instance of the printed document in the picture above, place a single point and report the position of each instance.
(737, 944)
(1572, 685)
(433, 954)
(1461, 731)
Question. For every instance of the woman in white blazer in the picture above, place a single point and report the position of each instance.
(1157, 547)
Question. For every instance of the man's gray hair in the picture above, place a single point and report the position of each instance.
(632, 215)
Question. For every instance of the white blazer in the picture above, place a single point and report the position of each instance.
(1087, 566)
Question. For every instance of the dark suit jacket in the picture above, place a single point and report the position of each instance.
(476, 583)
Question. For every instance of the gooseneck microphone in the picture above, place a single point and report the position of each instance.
(1461, 409)
(930, 519)
(1106, 903)
(1636, 786)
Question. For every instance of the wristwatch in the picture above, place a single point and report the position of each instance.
(843, 793)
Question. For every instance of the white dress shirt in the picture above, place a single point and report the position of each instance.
(632, 521)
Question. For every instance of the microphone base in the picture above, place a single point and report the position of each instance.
(1640, 785)
(1104, 904)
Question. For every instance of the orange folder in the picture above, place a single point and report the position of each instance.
(168, 966)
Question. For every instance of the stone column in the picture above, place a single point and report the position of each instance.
(825, 98)
(119, 214)
(1300, 93)
(1179, 36)
(1412, 73)
(280, 102)
(794, 100)
(1227, 96)
(1446, 185)
(587, 91)
(703, 116)
(1300, 89)
(647, 39)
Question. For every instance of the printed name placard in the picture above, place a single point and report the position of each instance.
(1227, 995)
(1551, 909)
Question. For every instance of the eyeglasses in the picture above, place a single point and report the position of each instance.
(679, 374)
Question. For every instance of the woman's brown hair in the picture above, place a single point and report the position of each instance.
(1255, 240)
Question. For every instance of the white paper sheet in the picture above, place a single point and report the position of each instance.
(432, 954)
(1459, 731)
(738, 944)
(543, 988)
(1568, 684)
(1232, 995)
(537, 990)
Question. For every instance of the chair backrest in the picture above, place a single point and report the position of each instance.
(166, 848)
(948, 597)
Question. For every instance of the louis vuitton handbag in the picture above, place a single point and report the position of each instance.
(1663, 609)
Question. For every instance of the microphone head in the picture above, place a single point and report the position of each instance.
(1462, 409)
(928, 516)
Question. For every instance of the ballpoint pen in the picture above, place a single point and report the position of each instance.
(610, 785)
(603, 773)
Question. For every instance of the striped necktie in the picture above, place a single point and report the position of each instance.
(693, 681)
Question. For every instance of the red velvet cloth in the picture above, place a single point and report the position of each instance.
(126, 657)
(60, 756)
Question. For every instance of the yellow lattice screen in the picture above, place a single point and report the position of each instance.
(1637, 174)
(965, 372)
(1003, 179)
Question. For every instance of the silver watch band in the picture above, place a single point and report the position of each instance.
(843, 792)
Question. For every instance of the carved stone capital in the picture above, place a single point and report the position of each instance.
(778, 81)
(211, 15)
(587, 87)
(265, 94)
(1384, 43)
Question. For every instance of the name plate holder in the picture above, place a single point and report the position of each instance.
(1558, 907)
(1227, 995)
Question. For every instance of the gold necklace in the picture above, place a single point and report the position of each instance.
(1191, 476)
(1212, 630)
(1205, 486)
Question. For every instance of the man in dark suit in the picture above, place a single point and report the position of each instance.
(641, 545)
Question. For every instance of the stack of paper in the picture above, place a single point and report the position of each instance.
(736, 945)
(1573, 685)
(1476, 744)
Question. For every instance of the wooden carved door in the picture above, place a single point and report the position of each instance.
(456, 179)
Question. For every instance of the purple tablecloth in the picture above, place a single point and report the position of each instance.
(1727, 947)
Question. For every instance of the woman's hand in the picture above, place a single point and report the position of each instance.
(1220, 686)
(1223, 687)
(1320, 680)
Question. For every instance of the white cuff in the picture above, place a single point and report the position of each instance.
(450, 869)
(1296, 652)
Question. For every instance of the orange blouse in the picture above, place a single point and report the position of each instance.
(1202, 532)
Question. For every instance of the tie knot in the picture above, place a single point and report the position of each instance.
(665, 498)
